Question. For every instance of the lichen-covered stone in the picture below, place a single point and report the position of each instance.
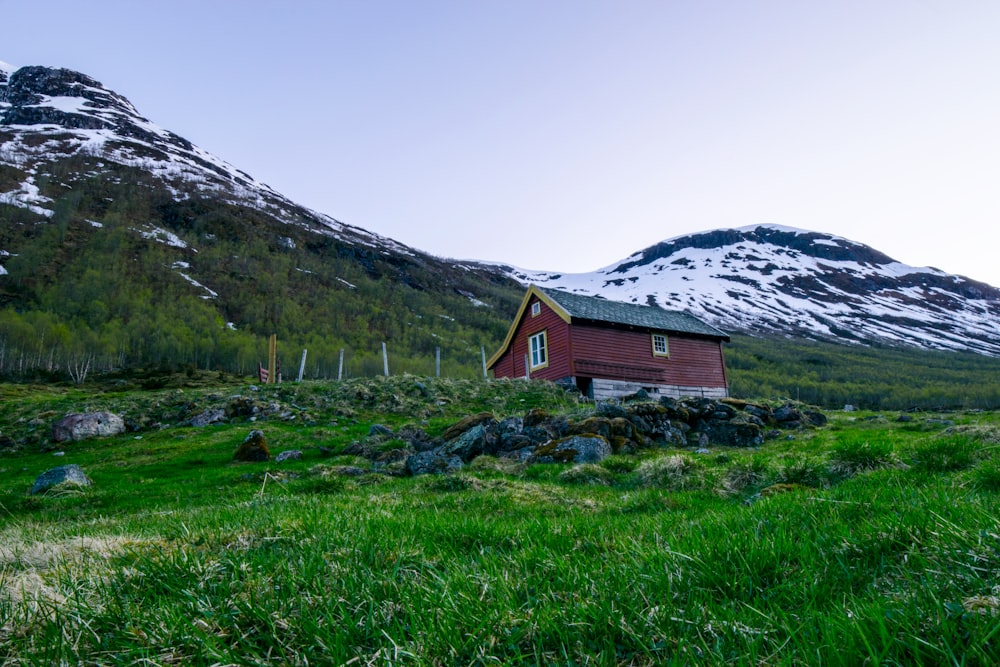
(575, 449)
(211, 416)
(87, 425)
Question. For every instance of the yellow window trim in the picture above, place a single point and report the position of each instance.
(545, 345)
(666, 344)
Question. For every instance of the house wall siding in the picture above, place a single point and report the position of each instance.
(628, 355)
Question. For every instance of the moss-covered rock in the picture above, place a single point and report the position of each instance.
(254, 448)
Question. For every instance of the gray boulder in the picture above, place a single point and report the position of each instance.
(70, 475)
(88, 425)
(432, 463)
(575, 449)
(210, 416)
(467, 446)
(289, 455)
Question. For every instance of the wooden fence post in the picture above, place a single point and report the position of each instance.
(302, 366)
(272, 359)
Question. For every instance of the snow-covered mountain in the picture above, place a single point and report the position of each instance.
(779, 280)
(49, 115)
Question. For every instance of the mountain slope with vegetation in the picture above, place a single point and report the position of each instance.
(123, 245)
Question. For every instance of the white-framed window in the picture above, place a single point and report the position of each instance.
(660, 346)
(538, 349)
(536, 309)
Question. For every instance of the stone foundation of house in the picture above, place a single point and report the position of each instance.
(602, 390)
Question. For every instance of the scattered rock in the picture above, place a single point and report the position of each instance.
(87, 425)
(211, 416)
(289, 455)
(69, 475)
(468, 445)
(465, 424)
(433, 462)
(380, 431)
(254, 448)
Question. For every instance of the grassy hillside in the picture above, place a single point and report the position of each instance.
(870, 540)
(874, 378)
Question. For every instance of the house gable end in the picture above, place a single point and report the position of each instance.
(532, 295)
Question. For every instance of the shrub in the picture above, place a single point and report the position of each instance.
(587, 473)
(805, 472)
(446, 483)
(492, 464)
(675, 472)
(620, 464)
(986, 476)
(848, 458)
(945, 454)
(745, 475)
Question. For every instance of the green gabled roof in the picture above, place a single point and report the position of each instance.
(597, 309)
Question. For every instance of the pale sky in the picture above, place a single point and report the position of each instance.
(566, 135)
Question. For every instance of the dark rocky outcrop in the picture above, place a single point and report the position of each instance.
(540, 437)
(87, 425)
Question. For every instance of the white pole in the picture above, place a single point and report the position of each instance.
(482, 351)
(302, 366)
(385, 360)
(527, 369)
(340, 368)
(437, 362)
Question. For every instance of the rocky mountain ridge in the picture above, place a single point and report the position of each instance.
(48, 114)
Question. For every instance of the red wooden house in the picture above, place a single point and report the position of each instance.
(608, 349)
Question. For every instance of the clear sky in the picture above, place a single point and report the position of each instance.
(566, 135)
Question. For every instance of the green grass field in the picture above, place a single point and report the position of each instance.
(868, 541)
